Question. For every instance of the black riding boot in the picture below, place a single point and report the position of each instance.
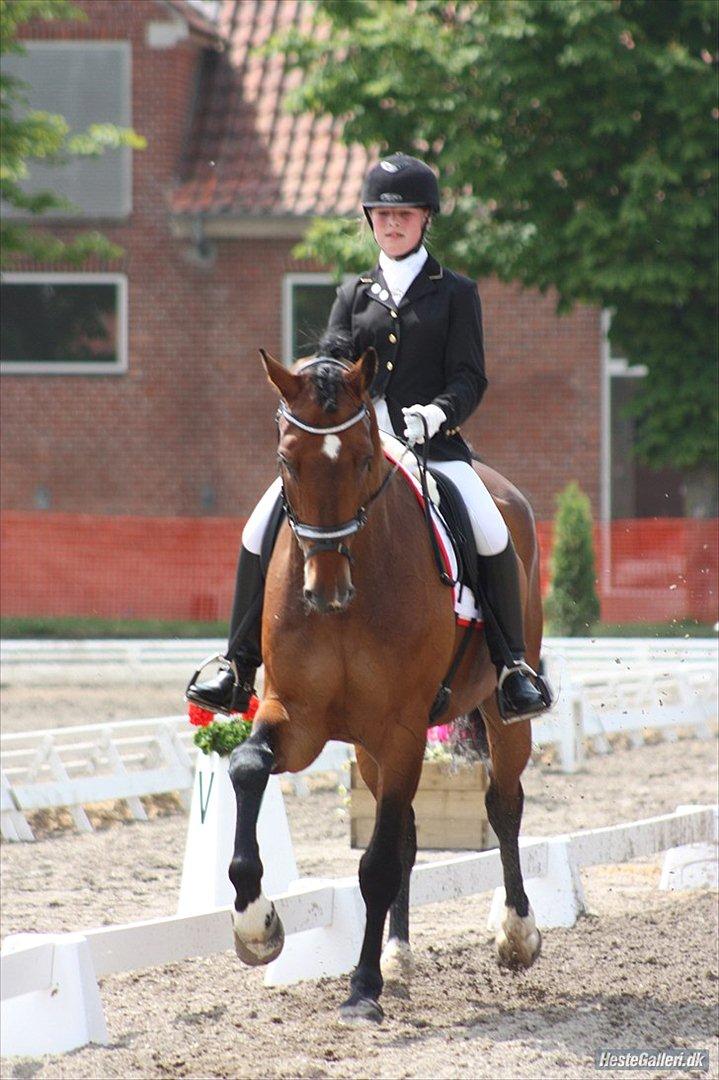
(231, 689)
(517, 695)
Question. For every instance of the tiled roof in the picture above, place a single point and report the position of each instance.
(246, 157)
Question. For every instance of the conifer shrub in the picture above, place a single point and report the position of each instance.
(573, 605)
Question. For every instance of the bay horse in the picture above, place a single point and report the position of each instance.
(357, 634)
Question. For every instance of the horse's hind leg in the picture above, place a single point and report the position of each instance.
(380, 871)
(258, 931)
(397, 963)
(518, 939)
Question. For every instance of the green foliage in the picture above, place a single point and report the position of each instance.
(66, 627)
(80, 627)
(576, 143)
(572, 605)
(27, 136)
(222, 736)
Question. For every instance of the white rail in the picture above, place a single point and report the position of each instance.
(37, 989)
(57, 661)
(606, 687)
(125, 760)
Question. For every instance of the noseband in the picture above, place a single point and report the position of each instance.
(328, 537)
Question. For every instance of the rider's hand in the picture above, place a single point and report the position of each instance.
(414, 429)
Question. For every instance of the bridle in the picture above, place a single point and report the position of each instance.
(328, 537)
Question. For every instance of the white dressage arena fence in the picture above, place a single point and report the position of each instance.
(36, 662)
(605, 687)
(48, 983)
(78, 766)
(632, 686)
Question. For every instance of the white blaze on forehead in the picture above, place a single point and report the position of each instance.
(331, 447)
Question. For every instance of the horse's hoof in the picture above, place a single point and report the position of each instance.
(254, 952)
(360, 1010)
(518, 941)
(397, 966)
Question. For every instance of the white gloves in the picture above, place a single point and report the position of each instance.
(414, 429)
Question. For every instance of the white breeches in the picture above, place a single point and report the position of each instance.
(257, 522)
(490, 532)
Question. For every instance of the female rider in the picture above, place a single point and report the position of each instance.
(426, 324)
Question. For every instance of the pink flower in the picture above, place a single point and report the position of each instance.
(439, 734)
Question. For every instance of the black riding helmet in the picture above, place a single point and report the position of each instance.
(400, 180)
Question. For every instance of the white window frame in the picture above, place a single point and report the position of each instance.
(74, 367)
(288, 283)
(127, 158)
(612, 366)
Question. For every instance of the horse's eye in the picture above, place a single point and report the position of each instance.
(367, 463)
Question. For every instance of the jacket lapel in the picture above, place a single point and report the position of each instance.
(426, 281)
(376, 287)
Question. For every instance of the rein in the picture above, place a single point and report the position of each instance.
(329, 537)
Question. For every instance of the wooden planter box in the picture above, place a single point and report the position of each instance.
(449, 809)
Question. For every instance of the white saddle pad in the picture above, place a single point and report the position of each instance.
(465, 605)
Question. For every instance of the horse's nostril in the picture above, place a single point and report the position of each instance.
(315, 602)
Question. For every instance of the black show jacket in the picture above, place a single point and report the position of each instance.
(430, 346)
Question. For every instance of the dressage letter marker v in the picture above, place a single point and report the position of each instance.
(205, 803)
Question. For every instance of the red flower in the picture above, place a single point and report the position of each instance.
(250, 711)
(200, 717)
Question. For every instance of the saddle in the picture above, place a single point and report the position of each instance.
(454, 513)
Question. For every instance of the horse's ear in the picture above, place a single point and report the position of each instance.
(284, 381)
(363, 372)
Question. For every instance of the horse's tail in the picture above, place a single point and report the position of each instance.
(477, 730)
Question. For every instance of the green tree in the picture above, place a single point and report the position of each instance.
(27, 136)
(572, 605)
(577, 148)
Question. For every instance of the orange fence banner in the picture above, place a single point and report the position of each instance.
(118, 567)
(648, 570)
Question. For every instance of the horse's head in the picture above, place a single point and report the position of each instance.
(331, 463)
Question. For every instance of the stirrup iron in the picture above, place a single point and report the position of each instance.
(540, 683)
(216, 658)
(225, 663)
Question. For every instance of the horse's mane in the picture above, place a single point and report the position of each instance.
(327, 378)
(336, 344)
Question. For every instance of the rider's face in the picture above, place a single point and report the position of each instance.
(398, 229)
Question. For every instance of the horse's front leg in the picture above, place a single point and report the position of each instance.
(518, 940)
(380, 874)
(258, 931)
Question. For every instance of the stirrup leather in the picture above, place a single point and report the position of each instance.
(541, 685)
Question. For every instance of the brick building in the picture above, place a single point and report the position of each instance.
(134, 388)
(181, 421)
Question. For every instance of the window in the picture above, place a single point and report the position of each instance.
(307, 302)
(87, 82)
(63, 324)
(634, 490)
